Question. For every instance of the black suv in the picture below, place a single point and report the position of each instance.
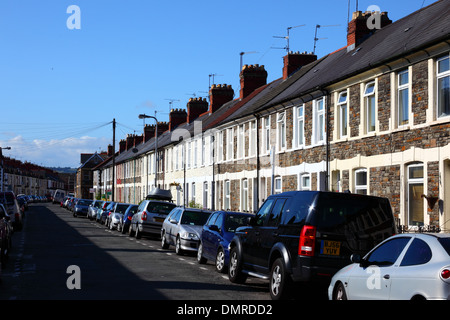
(305, 236)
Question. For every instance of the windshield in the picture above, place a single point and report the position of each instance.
(160, 207)
(121, 208)
(194, 218)
(232, 222)
(445, 242)
(84, 202)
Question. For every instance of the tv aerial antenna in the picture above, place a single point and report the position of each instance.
(212, 75)
(318, 26)
(171, 101)
(287, 37)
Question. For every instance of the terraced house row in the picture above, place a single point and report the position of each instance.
(370, 118)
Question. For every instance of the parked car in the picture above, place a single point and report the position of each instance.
(81, 207)
(112, 221)
(124, 223)
(403, 267)
(216, 236)
(72, 203)
(92, 210)
(307, 236)
(106, 212)
(182, 228)
(149, 218)
(6, 231)
(100, 211)
(8, 199)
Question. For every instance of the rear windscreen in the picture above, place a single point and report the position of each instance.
(351, 212)
(445, 242)
(161, 208)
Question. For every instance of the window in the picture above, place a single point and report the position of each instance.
(418, 253)
(277, 210)
(195, 142)
(244, 195)
(281, 130)
(266, 135)
(403, 98)
(203, 150)
(252, 140)
(263, 212)
(193, 192)
(342, 109)
(319, 120)
(305, 182)
(220, 145)
(188, 154)
(443, 86)
(227, 195)
(229, 144)
(414, 192)
(361, 181)
(205, 194)
(387, 253)
(299, 125)
(240, 151)
(277, 185)
(369, 105)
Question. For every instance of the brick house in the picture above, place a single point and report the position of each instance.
(370, 118)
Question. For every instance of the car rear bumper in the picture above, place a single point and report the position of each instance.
(306, 269)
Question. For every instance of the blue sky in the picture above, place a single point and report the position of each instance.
(61, 88)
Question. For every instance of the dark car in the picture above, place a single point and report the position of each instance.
(5, 235)
(307, 236)
(149, 218)
(9, 200)
(125, 222)
(216, 236)
(81, 207)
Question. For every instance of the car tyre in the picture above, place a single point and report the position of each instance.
(130, 231)
(200, 258)
(220, 261)
(280, 282)
(235, 268)
(339, 292)
(137, 233)
(164, 243)
(178, 249)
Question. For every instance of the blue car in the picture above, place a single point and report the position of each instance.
(125, 222)
(216, 235)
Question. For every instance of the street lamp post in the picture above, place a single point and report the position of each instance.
(144, 116)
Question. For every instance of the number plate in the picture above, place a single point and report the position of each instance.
(159, 219)
(332, 248)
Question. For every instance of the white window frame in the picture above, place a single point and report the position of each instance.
(361, 187)
(252, 139)
(368, 96)
(266, 135)
(277, 188)
(240, 141)
(343, 114)
(440, 76)
(244, 195)
(319, 129)
(230, 144)
(414, 181)
(304, 181)
(299, 126)
(220, 146)
(401, 88)
(226, 195)
(281, 131)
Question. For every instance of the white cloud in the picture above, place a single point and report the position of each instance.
(53, 153)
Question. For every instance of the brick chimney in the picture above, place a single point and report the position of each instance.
(149, 132)
(363, 25)
(252, 77)
(162, 126)
(122, 145)
(219, 95)
(295, 60)
(130, 141)
(177, 117)
(110, 150)
(195, 107)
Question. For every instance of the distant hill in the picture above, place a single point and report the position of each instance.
(64, 170)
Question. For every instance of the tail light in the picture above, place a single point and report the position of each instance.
(307, 241)
(129, 217)
(445, 274)
(144, 216)
(109, 213)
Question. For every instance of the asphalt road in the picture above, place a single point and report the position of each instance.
(59, 257)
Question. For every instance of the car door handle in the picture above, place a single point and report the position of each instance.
(386, 276)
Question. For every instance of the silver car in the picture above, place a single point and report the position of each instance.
(112, 221)
(182, 228)
(403, 267)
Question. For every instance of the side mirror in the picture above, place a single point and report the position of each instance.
(355, 258)
(173, 221)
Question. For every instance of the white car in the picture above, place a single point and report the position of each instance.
(403, 267)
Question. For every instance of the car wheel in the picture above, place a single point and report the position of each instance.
(200, 258)
(137, 233)
(178, 249)
(280, 281)
(235, 268)
(130, 230)
(220, 261)
(164, 243)
(339, 292)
